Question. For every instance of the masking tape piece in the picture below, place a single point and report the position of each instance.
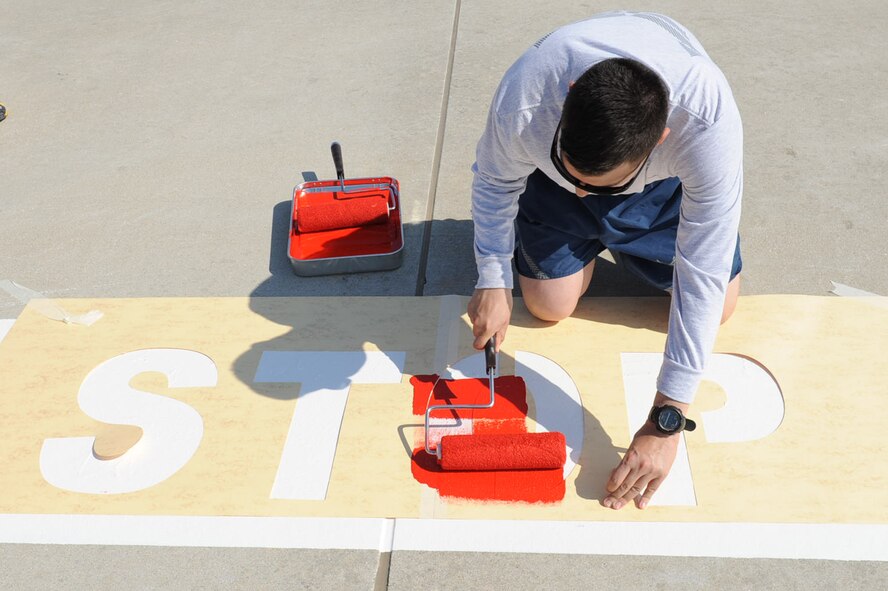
(47, 307)
(848, 291)
(867, 297)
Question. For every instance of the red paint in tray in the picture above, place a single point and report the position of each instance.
(507, 415)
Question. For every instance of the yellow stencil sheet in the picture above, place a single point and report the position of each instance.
(823, 464)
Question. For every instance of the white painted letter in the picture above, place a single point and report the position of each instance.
(172, 429)
(755, 406)
(754, 409)
(307, 459)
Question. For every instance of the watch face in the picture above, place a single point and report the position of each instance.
(669, 420)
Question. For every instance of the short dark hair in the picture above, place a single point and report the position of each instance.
(615, 113)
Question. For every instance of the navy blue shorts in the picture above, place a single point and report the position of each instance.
(558, 233)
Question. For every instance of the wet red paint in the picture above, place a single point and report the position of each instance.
(507, 416)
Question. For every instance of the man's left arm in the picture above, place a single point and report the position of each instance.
(712, 181)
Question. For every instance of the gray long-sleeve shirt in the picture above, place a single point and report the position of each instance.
(704, 150)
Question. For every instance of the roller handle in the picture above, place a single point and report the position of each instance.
(490, 355)
(336, 149)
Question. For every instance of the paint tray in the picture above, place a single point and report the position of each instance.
(373, 247)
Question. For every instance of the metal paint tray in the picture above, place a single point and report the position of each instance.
(379, 247)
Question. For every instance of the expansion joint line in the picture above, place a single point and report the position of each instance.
(436, 162)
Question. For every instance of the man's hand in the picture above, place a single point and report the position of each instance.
(645, 465)
(490, 311)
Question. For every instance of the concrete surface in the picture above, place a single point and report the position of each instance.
(86, 568)
(151, 148)
(147, 145)
(529, 572)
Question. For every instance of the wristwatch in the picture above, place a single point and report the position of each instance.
(669, 419)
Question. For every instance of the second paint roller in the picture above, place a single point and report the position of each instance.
(345, 208)
(495, 451)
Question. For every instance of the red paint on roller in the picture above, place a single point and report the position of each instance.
(318, 212)
(503, 451)
(507, 417)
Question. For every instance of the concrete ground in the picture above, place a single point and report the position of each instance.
(150, 149)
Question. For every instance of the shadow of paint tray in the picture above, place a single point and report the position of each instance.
(375, 246)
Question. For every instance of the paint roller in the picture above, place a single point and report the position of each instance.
(345, 208)
(495, 451)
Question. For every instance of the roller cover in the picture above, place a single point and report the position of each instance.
(496, 451)
(316, 212)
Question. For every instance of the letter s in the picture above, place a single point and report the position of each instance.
(172, 429)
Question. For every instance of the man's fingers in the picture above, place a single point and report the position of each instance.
(483, 334)
(652, 487)
(631, 479)
(634, 491)
(481, 339)
(490, 311)
(632, 486)
(621, 481)
(621, 472)
(642, 469)
(617, 477)
(500, 337)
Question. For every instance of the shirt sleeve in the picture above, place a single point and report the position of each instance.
(712, 181)
(501, 168)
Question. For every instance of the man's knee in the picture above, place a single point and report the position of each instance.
(555, 299)
(731, 295)
(550, 309)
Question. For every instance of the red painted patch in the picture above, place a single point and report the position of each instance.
(507, 416)
(510, 396)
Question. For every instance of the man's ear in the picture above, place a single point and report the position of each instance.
(664, 136)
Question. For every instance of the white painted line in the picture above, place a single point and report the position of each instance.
(717, 540)
(722, 540)
(216, 532)
(387, 535)
(5, 327)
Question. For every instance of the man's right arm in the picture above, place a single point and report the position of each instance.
(501, 169)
